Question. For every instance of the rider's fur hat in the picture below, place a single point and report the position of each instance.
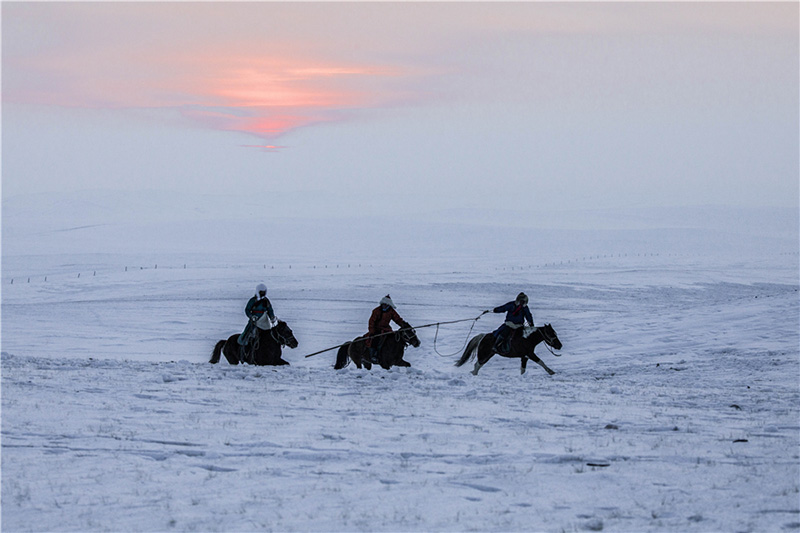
(387, 300)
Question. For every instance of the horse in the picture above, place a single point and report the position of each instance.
(265, 349)
(522, 346)
(391, 353)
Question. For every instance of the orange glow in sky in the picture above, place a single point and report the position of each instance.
(269, 97)
(261, 96)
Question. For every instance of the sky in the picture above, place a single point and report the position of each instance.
(509, 106)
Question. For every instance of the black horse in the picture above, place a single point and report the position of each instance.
(264, 350)
(391, 353)
(522, 345)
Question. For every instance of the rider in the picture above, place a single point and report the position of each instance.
(516, 314)
(255, 309)
(380, 322)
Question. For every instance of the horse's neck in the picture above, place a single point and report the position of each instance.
(267, 337)
(395, 342)
(535, 337)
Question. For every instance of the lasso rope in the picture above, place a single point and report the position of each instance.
(466, 340)
(437, 324)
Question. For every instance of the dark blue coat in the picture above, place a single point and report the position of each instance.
(516, 314)
(256, 308)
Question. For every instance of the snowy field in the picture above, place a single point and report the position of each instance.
(675, 405)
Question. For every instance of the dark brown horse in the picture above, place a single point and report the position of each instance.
(264, 350)
(522, 345)
(391, 353)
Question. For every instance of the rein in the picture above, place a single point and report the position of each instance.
(277, 337)
(547, 342)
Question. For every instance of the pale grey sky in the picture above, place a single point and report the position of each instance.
(513, 105)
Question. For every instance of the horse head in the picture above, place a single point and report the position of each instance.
(284, 334)
(409, 336)
(550, 337)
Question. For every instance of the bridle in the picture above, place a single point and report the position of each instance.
(278, 337)
(405, 336)
(548, 342)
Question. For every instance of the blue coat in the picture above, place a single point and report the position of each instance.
(256, 308)
(516, 314)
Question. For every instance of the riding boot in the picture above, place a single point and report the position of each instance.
(251, 355)
(373, 354)
(506, 344)
(246, 335)
(498, 340)
(501, 344)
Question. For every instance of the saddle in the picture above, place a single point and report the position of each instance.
(376, 344)
(248, 343)
(503, 345)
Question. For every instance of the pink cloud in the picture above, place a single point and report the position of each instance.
(259, 95)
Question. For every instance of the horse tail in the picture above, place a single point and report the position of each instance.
(342, 356)
(217, 352)
(471, 349)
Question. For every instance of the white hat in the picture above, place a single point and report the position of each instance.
(261, 288)
(387, 300)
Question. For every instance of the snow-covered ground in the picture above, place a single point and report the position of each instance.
(675, 405)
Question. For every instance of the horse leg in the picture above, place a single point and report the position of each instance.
(274, 356)
(482, 359)
(279, 361)
(541, 363)
(248, 355)
(478, 366)
(523, 364)
(386, 360)
(485, 352)
(356, 351)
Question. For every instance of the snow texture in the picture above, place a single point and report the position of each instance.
(675, 405)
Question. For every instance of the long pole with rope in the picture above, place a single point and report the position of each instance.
(437, 324)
